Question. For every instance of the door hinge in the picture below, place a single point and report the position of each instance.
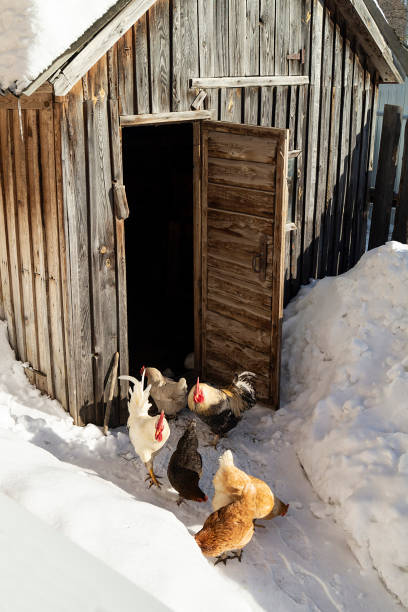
(299, 57)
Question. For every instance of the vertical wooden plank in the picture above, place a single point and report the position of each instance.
(121, 287)
(344, 155)
(126, 89)
(141, 56)
(222, 50)
(295, 116)
(313, 125)
(64, 267)
(400, 232)
(185, 52)
(232, 107)
(386, 171)
(362, 195)
(24, 241)
(40, 270)
(197, 229)
(159, 31)
(282, 41)
(50, 213)
(355, 153)
(207, 47)
(278, 264)
(301, 143)
(323, 143)
(266, 57)
(76, 230)
(101, 237)
(204, 248)
(332, 176)
(7, 297)
(11, 216)
(371, 151)
(251, 59)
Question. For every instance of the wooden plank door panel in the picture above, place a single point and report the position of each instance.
(243, 208)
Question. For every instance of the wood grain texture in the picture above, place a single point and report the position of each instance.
(76, 230)
(159, 36)
(126, 93)
(241, 265)
(9, 196)
(53, 254)
(385, 179)
(185, 49)
(141, 57)
(39, 260)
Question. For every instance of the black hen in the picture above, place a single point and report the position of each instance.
(186, 466)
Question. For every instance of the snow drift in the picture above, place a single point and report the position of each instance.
(345, 373)
(145, 543)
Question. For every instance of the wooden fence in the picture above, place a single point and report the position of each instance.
(383, 223)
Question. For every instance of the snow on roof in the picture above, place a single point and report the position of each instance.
(33, 33)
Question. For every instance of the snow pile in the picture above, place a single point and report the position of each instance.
(345, 375)
(33, 33)
(143, 542)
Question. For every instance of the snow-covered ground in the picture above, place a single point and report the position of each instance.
(344, 382)
(346, 362)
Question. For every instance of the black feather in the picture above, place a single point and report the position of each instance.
(186, 465)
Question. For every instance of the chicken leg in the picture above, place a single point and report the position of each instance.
(154, 480)
(225, 557)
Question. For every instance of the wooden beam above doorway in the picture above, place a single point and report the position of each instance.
(248, 81)
(129, 120)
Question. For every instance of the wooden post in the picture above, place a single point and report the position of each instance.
(400, 232)
(114, 374)
(386, 170)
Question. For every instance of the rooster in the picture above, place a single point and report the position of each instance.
(230, 528)
(229, 482)
(186, 466)
(147, 434)
(168, 395)
(222, 409)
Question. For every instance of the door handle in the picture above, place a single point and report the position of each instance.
(259, 260)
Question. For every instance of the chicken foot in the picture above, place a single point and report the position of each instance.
(225, 557)
(151, 476)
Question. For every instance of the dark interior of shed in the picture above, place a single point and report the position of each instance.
(158, 175)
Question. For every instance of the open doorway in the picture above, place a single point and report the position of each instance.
(158, 174)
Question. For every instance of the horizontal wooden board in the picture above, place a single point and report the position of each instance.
(235, 331)
(241, 200)
(177, 117)
(241, 173)
(234, 309)
(233, 242)
(249, 81)
(245, 147)
(222, 284)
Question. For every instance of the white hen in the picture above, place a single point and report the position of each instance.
(147, 434)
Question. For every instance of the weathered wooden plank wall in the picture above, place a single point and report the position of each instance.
(32, 241)
(148, 71)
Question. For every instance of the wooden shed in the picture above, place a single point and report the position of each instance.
(220, 126)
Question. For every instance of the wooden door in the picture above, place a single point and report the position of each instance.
(241, 221)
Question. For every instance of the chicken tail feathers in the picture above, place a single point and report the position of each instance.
(244, 383)
(138, 396)
(226, 460)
